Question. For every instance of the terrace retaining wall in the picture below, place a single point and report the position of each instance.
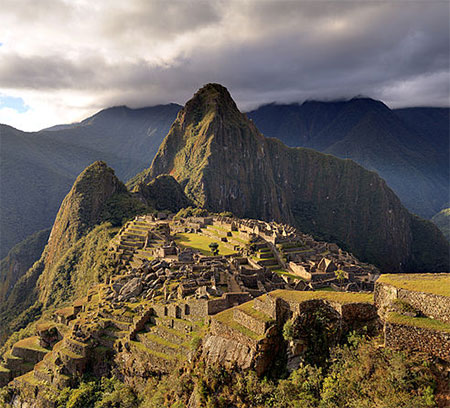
(431, 305)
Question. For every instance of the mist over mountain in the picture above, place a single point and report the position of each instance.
(225, 164)
(407, 147)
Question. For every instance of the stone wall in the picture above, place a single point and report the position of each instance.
(268, 305)
(251, 323)
(29, 355)
(226, 301)
(75, 346)
(220, 329)
(431, 305)
(228, 352)
(433, 342)
(357, 311)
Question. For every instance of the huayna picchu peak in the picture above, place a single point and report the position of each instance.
(274, 238)
(225, 164)
(232, 256)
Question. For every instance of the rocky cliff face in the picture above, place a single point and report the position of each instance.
(224, 163)
(163, 193)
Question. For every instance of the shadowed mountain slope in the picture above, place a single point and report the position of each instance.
(224, 163)
(37, 169)
(407, 147)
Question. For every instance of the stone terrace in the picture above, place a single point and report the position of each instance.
(249, 335)
(416, 312)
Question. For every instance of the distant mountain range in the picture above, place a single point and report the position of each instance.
(407, 147)
(224, 163)
(37, 169)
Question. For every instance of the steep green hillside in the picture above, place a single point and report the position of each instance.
(21, 258)
(224, 163)
(39, 168)
(407, 147)
(442, 220)
(89, 217)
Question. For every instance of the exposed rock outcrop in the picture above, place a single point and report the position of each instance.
(224, 163)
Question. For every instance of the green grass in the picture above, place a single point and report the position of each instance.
(290, 275)
(422, 322)
(4, 370)
(175, 332)
(65, 311)
(438, 284)
(30, 343)
(156, 339)
(219, 228)
(71, 354)
(248, 308)
(226, 317)
(29, 378)
(201, 242)
(329, 289)
(290, 245)
(145, 349)
(339, 297)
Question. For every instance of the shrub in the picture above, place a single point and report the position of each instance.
(288, 330)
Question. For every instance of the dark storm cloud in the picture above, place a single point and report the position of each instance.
(145, 52)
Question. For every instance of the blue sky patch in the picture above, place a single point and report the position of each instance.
(17, 104)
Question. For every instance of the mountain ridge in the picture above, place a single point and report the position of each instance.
(398, 144)
(30, 195)
(224, 163)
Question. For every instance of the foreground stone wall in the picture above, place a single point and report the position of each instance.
(431, 305)
(226, 301)
(433, 342)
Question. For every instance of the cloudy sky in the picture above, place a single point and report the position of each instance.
(62, 60)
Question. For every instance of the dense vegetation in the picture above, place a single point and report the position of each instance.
(357, 374)
(76, 255)
(163, 193)
(21, 258)
(407, 147)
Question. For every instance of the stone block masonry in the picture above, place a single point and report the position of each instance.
(431, 305)
(402, 337)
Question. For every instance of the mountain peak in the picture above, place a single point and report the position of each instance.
(82, 207)
(211, 99)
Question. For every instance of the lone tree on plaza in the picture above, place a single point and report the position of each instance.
(340, 276)
(214, 246)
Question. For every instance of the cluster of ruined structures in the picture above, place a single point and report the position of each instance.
(266, 256)
(164, 293)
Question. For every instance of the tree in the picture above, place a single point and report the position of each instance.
(340, 276)
(214, 246)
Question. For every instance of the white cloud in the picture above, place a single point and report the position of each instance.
(71, 58)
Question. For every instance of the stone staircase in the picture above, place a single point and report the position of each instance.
(131, 240)
(166, 341)
(293, 248)
(265, 256)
